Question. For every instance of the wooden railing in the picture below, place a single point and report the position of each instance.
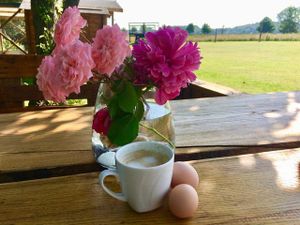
(13, 93)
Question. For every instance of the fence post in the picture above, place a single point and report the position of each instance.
(216, 34)
(1, 42)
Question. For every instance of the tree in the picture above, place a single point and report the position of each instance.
(205, 29)
(190, 28)
(265, 26)
(289, 20)
(133, 30)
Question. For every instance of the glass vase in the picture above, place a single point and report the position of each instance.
(156, 125)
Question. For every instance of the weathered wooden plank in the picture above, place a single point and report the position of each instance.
(7, 103)
(207, 89)
(31, 92)
(30, 33)
(211, 127)
(13, 66)
(95, 22)
(246, 190)
(86, 4)
(95, 4)
(243, 120)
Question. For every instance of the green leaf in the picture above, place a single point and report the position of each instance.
(139, 111)
(128, 98)
(113, 107)
(123, 130)
(117, 86)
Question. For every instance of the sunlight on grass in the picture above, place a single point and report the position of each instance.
(252, 67)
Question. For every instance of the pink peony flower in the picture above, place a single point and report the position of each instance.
(109, 49)
(46, 79)
(67, 29)
(102, 121)
(65, 72)
(167, 61)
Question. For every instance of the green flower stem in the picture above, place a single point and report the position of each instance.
(147, 105)
(159, 134)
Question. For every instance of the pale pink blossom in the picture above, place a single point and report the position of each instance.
(67, 29)
(66, 71)
(109, 49)
(47, 79)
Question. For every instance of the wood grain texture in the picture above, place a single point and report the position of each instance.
(32, 92)
(243, 120)
(212, 127)
(250, 189)
(12, 66)
(86, 4)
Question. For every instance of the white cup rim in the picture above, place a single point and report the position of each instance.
(151, 143)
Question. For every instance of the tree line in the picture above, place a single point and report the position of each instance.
(289, 22)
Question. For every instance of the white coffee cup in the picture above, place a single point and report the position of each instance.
(145, 172)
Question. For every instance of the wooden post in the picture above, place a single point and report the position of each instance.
(260, 34)
(104, 20)
(30, 33)
(1, 40)
(112, 18)
(1, 43)
(216, 34)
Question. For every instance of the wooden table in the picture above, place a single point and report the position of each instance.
(253, 185)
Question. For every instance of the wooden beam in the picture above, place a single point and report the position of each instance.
(10, 4)
(1, 43)
(30, 33)
(12, 66)
(31, 92)
(9, 19)
(12, 42)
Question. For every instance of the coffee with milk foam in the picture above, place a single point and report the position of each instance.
(145, 159)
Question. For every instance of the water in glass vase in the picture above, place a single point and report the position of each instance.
(157, 125)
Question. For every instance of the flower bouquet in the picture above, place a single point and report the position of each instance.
(161, 64)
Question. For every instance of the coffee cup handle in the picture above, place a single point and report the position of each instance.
(118, 195)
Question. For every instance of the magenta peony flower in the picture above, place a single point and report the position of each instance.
(65, 72)
(167, 61)
(109, 49)
(102, 121)
(67, 29)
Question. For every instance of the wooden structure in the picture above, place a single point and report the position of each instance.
(8, 13)
(95, 12)
(257, 184)
(13, 68)
(13, 93)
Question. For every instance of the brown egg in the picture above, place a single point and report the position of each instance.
(183, 201)
(184, 173)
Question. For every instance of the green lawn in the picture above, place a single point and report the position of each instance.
(252, 67)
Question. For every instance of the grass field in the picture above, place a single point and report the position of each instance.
(245, 37)
(252, 67)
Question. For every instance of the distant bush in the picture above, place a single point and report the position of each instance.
(246, 37)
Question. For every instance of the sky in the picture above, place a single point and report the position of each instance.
(217, 13)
